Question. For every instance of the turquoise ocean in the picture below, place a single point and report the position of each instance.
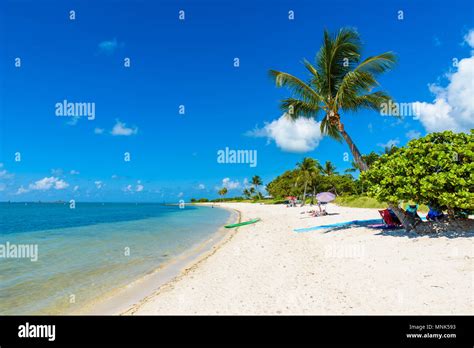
(86, 252)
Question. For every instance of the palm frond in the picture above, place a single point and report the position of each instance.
(337, 56)
(300, 108)
(377, 64)
(299, 88)
(373, 101)
(354, 83)
(316, 76)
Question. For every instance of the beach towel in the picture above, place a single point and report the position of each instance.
(364, 223)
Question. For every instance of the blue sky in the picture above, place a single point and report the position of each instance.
(191, 63)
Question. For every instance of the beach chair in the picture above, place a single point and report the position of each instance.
(388, 219)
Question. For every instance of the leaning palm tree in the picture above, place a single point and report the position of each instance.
(340, 81)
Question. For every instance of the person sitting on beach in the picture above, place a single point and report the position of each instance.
(412, 209)
(434, 214)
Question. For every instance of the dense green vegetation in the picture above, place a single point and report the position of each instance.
(436, 170)
(359, 202)
(309, 178)
(200, 200)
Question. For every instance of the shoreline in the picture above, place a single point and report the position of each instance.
(268, 269)
(193, 263)
(121, 300)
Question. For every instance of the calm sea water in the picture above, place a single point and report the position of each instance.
(85, 252)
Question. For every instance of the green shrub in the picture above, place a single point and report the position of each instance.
(436, 170)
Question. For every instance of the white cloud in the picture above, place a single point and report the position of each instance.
(181, 194)
(453, 106)
(2, 186)
(301, 135)
(138, 187)
(114, 176)
(390, 143)
(73, 121)
(60, 184)
(469, 38)
(74, 172)
(229, 184)
(75, 188)
(109, 46)
(5, 175)
(21, 190)
(201, 187)
(120, 128)
(412, 134)
(98, 130)
(48, 183)
(98, 184)
(56, 172)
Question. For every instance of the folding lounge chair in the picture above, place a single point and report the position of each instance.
(388, 219)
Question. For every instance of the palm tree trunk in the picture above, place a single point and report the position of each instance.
(304, 193)
(355, 151)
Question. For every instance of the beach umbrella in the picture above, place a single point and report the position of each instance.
(325, 197)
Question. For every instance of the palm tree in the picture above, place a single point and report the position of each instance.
(222, 192)
(307, 168)
(247, 193)
(339, 82)
(353, 168)
(315, 181)
(257, 181)
(329, 168)
(251, 190)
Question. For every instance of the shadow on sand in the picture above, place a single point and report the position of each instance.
(400, 232)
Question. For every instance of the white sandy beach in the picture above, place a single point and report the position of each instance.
(267, 268)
